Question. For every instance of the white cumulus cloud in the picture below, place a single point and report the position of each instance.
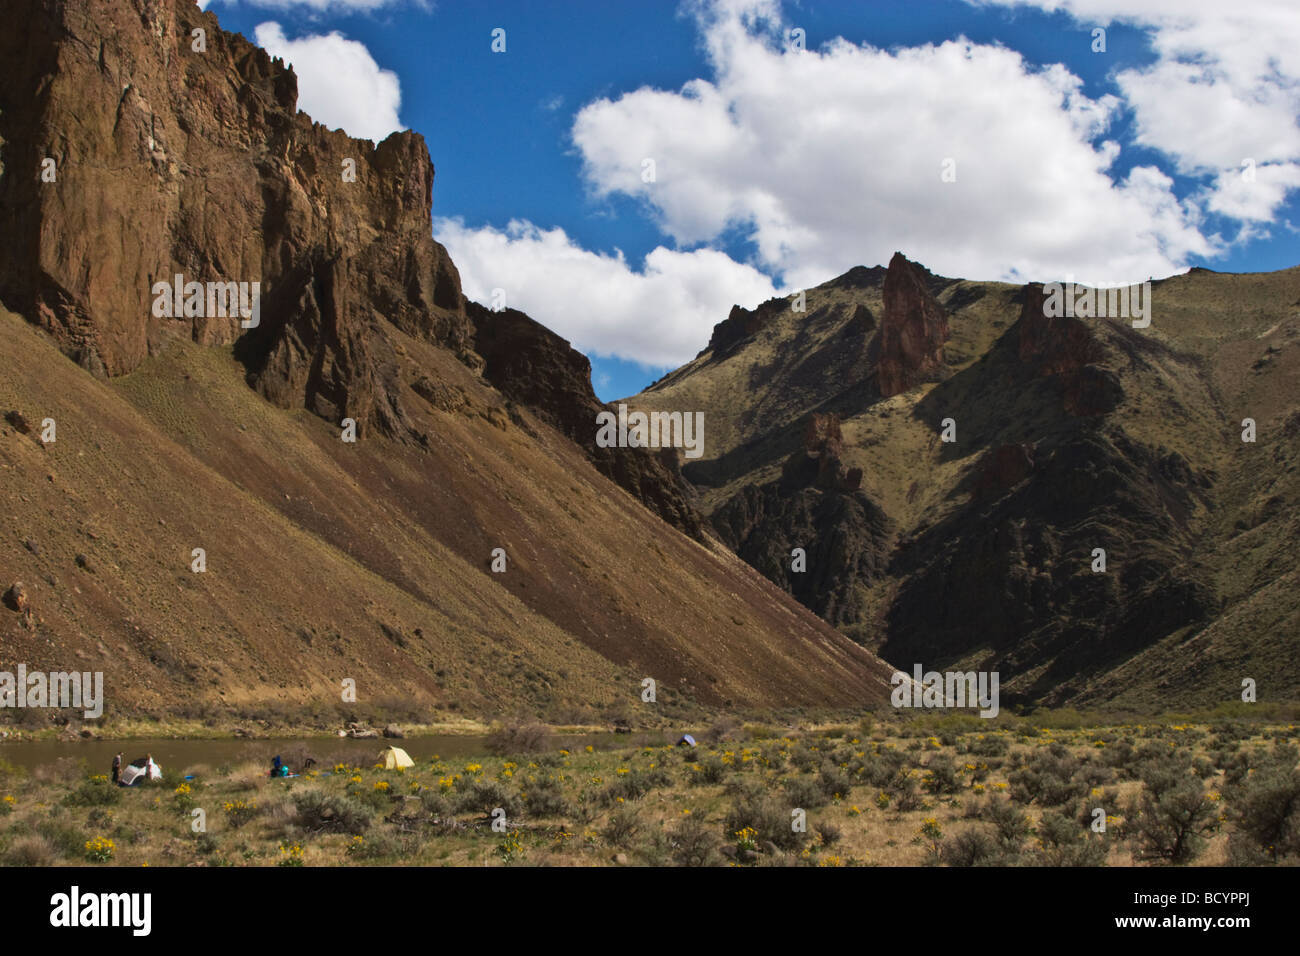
(339, 82)
(660, 315)
(1224, 89)
(833, 157)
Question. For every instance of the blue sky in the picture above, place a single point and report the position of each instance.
(777, 168)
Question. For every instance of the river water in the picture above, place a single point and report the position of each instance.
(186, 755)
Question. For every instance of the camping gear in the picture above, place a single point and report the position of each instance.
(142, 768)
(395, 758)
(686, 741)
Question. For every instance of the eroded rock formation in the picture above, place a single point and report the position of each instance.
(912, 330)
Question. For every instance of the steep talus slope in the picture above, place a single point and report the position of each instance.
(326, 558)
(1068, 435)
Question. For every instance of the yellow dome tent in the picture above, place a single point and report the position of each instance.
(395, 758)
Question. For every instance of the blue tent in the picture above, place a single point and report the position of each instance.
(686, 741)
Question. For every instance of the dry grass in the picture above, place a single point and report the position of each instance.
(657, 805)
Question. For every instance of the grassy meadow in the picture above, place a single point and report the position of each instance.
(953, 791)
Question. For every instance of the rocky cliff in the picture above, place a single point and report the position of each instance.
(816, 507)
(171, 160)
(533, 366)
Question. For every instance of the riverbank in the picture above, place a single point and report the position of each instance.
(126, 729)
(876, 792)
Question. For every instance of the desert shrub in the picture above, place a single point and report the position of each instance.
(828, 833)
(941, 776)
(484, 796)
(804, 792)
(381, 844)
(94, 793)
(842, 754)
(989, 745)
(437, 805)
(1064, 842)
(692, 842)
(64, 771)
(205, 844)
(768, 818)
(519, 737)
(1221, 757)
(545, 798)
(655, 849)
(833, 781)
(321, 812)
(33, 849)
(622, 826)
(1048, 778)
(628, 786)
(1093, 774)
(67, 840)
(172, 777)
(1009, 822)
(376, 795)
(129, 834)
(711, 771)
(804, 759)
(1164, 773)
(972, 847)
(776, 759)
(1172, 819)
(99, 818)
(902, 792)
(724, 728)
(882, 770)
(1121, 756)
(10, 773)
(1266, 812)
(1238, 766)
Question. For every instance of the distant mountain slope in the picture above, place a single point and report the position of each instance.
(823, 432)
(325, 559)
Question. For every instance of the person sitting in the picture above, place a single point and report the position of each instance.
(117, 769)
(278, 769)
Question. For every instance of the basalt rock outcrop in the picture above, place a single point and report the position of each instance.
(1069, 350)
(202, 158)
(817, 462)
(913, 330)
(815, 506)
(741, 323)
(533, 366)
(1003, 468)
